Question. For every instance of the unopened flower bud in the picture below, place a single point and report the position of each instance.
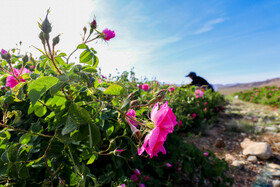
(4, 54)
(41, 36)
(46, 36)
(25, 59)
(46, 26)
(93, 24)
(85, 29)
(56, 40)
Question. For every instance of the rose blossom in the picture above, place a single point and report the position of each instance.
(134, 178)
(180, 123)
(119, 151)
(122, 185)
(146, 178)
(131, 113)
(108, 34)
(145, 87)
(164, 120)
(11, 81)
(137, 172)
(142, 185)
(4, 52)
(194, 115)
(168, 165)
(206, 154)
(198, 93)
(171, 89)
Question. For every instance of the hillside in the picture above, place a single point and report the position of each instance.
(227, 90)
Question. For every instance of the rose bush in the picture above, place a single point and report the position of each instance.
(64, 124)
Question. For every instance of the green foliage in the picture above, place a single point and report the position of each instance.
(65, 124)
(265, 96)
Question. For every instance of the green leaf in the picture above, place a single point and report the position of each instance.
(91, 159)
(4, 157)
(24, 139)
(60, 61)
(86, 56)
(55, 88)
(12, 170)
(79, 114)
(41, 111)
(94, 135)
(12, 153)
(70, 126)
(90, 69)
(96, 61)
(23, 172)
(82, 46)
(38, 87)
(36, 127)
(114, 89)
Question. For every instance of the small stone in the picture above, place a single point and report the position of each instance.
(237, 163)
(276, 173)
(220, 143)
(246, 142)
(260, 149)
(276, 183)
(273, 166)
(229, 157)
(252, 159)
(270, 129)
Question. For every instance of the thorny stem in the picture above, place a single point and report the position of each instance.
(21, 130)
(52, 57)
(75, 166)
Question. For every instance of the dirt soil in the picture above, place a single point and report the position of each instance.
(239, 121)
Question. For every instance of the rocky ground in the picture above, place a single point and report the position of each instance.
(247, 137)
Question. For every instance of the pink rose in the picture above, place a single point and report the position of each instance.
(103, 77)
(140, 86)
(145, 87)
(205, 103)
(142, 185)
(137, 172)
(146, 178)
(122, 185)
(11, 81)
(99, 80)
(131, 113)
(164, 120)
(194, 115)
(4, 52)
(198, 93)
(134, 178)
(108, 34)
(119, 151)
(171, 89)
(180, 123)
(168, 165)
(206, 154)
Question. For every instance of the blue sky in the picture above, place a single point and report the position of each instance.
(223, 41)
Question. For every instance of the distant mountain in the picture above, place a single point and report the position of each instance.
(232, 88)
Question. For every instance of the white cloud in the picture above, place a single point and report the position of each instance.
(208, 26)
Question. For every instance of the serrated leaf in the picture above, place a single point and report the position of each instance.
(86, 56)
(79, 114)
(114, 89)
(37, 88)
(70, 126)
